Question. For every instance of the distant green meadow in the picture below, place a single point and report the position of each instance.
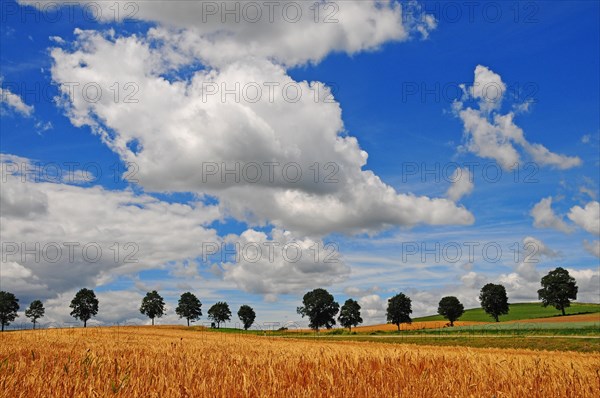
(519, 311)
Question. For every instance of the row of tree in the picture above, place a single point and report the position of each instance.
(558, 289)
(85, 305)
(190, 308)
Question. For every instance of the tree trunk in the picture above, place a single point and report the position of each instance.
(152, 321)
(398, 326)
(563, 311)
(188, 322)
(496, 318)
(451, 323)
(85, 324)
(350, 329)
(3, 326)
(33, 325)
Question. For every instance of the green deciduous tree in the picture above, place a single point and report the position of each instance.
(399, 309)
(35, 311)
(451, 309)
(558, 289)
(153, 305)
(320, 308)
(9, 305)
(219, 312)
(494, 300)
(246, 315)
(84, 305)
(189, 307)
(350, 314)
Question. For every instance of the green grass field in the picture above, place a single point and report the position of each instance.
(516, 342)
(518, 311)
(558, 336)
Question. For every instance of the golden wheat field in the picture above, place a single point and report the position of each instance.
(175, 362)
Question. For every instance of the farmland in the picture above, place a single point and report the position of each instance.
(519, 311)
(580, 332)
(194, 362)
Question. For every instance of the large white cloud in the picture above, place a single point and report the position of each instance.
(493, 135)
(281, 264)
(57, 237)
(544, 217)
(587, 217)
(181, 129)
(289, 32)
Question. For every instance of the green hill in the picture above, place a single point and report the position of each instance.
(518, 311)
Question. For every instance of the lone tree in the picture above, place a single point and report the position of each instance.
(350, 314)
(558, 289)
(320, 308)
(35, 311)
(399, 309)
(84, 305)
(246, 315)
(494, 300)
(153, 305)
(219, 312)
(9, 305)
(451, 309)
(189, 307)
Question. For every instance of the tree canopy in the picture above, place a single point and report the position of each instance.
(350, 314)
(189, 307)
(451, 309)
(320, 308)
(9, 305)
(84, 305)
(494, 300)
(399, 309)
(219, 312)
(558, 289)
(35, 311)
(153, 305)
(246, 315)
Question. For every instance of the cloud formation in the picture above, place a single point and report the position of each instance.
(587, 217)
(544, 217)
(269, 158)
(57, 237)
(287, 32)
(13, 102)
(462, 184)
(493, 135)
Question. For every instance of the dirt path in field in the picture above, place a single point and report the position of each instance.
(427, 336)
(595, 317)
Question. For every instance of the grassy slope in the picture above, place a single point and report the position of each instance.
(518, 311)
(531, 343)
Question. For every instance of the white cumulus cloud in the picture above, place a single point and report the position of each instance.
(493, 135)
(544, 217)
(587, 217)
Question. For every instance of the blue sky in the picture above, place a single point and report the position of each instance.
(397, 87)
